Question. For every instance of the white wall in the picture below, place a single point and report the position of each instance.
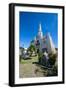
(4, 44)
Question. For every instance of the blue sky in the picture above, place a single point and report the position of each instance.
(29, 23)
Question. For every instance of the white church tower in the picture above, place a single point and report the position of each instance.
(40, 37)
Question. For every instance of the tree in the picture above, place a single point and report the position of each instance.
(32, 49)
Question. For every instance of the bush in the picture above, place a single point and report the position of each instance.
(42, 59)
(55, 70)
(52, 59)
(40, 55)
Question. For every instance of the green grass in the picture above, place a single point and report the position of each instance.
(30, 60)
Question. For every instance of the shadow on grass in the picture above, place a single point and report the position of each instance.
(26, 58)
(35, 63)
(42, 66)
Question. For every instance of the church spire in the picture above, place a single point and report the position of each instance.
(40, 34)
(40, 29)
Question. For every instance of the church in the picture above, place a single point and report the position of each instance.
(43, 43)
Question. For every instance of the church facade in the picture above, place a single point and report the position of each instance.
(43, 43)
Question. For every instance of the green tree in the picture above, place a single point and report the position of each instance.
(32, 49)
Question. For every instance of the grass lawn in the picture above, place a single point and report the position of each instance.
(30, 60)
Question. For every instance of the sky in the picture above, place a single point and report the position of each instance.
(29, 24)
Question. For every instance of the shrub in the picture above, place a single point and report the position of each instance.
(40, 55)
(55, 70)
(52, 59)
(42, 59)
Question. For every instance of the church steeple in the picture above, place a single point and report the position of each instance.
(40, 34)
(40, 29)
